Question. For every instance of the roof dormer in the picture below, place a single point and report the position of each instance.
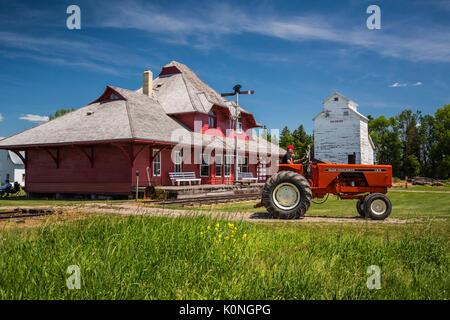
(168, 71)
(109, 95)
(338, 101)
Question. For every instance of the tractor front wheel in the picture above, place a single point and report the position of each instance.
(378, 206)
(360, 207)
(287, 195)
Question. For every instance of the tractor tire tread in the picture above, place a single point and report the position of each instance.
(368, 202)
(305, 192)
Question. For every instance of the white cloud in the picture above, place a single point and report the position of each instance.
(203, 27)
(397, 84)
(34, 118)
(418, 83)
(89, 53)
(1, 117)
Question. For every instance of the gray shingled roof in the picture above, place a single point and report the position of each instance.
(186, 92)
(138, 117)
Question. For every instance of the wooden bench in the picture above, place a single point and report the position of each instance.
(179, 177)
(246, 177)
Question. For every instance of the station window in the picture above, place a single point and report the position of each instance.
(204, 167)
(156, 163)
(239, 130)
(218, 165)
(227, 166)
(113, 97)
(178, 161)
(212, 119)
(243, 164)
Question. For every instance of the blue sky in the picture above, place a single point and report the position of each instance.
(294, 54)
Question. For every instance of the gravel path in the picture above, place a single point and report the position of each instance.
(140, 209)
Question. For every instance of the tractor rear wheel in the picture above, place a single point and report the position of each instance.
(378, 206)
(360, 207)
(287, 195)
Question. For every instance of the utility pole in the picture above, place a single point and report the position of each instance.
(237, 92)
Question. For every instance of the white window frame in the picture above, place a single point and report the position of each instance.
(158, 157)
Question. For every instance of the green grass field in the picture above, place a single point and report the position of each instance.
(189, 257)
(426, 188)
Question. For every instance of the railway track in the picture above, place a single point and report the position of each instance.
(24, 213)
(206, 200)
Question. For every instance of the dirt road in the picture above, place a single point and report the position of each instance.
(137, 209)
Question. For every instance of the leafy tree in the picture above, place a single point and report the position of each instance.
(385, 136)
(441, 147)
(407, 123)
(427, 145)
(60, 113)
(411, 166)
(380, 134)
(414, 143)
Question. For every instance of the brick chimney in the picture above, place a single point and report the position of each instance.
(147, 83)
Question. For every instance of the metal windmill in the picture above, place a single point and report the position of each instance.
(237, 92)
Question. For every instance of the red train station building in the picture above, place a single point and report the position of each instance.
(174, 123)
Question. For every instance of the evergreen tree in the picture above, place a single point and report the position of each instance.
(286, 138)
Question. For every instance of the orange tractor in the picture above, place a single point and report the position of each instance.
(289, 193)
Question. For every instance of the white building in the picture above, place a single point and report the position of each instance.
(11, 168)
(341, 133)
